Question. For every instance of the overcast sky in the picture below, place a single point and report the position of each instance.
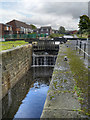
(44, 12)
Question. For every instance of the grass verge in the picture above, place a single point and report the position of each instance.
(10, 44)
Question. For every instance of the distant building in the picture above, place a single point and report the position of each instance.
(37, 31)
(46, 30)
(74, 31)
(71, 32)
(55, 31)
(5, 29)
(43, 30)
(19, 27)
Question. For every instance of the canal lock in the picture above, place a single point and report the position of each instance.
(29, 94)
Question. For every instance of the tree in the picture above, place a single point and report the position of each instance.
(33, 26)
(61, 30)
(84, 24)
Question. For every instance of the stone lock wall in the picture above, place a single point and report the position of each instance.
(15, 63)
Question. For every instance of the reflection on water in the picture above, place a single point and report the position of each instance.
(32, 105)
(26, 99)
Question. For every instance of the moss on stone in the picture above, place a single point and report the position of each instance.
(65, 80)
(80, 74)
(55, 84)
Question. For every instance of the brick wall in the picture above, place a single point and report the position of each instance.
(12, 23)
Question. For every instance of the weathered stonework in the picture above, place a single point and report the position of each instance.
(15, 63)
(62, 101)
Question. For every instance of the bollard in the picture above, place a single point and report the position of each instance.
(84, 49)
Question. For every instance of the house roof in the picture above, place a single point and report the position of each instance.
(54, 30)
(1, 24)
(5, 24)
(20, 24)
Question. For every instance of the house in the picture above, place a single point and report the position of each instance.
(37, 31)
(46, 30)
(43, 30)
(5, 29)
(74, 31)
(19, 27)
(55, 31)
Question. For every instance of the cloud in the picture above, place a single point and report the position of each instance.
(7, 16)
(41, 13)
(45, 0)
(64, 8)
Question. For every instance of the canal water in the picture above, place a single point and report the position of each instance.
(26, 99)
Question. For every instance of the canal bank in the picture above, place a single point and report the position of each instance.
(15, 63)
(65, 95)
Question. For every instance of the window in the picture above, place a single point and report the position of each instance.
(7, 28)
(42, 29)
(30, 30)
(46, 33)
(24, 30)
(10, 28)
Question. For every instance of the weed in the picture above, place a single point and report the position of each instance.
(55, 83)
(80, 74)
(51, 97)
(65, 80)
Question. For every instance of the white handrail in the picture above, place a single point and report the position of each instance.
(83, 51)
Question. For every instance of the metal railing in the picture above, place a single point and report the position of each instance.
(22, 36)
(82, 47)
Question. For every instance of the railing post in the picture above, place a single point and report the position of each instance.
(84, 49)
(80, 47)
(76, 44)
(54, 41)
